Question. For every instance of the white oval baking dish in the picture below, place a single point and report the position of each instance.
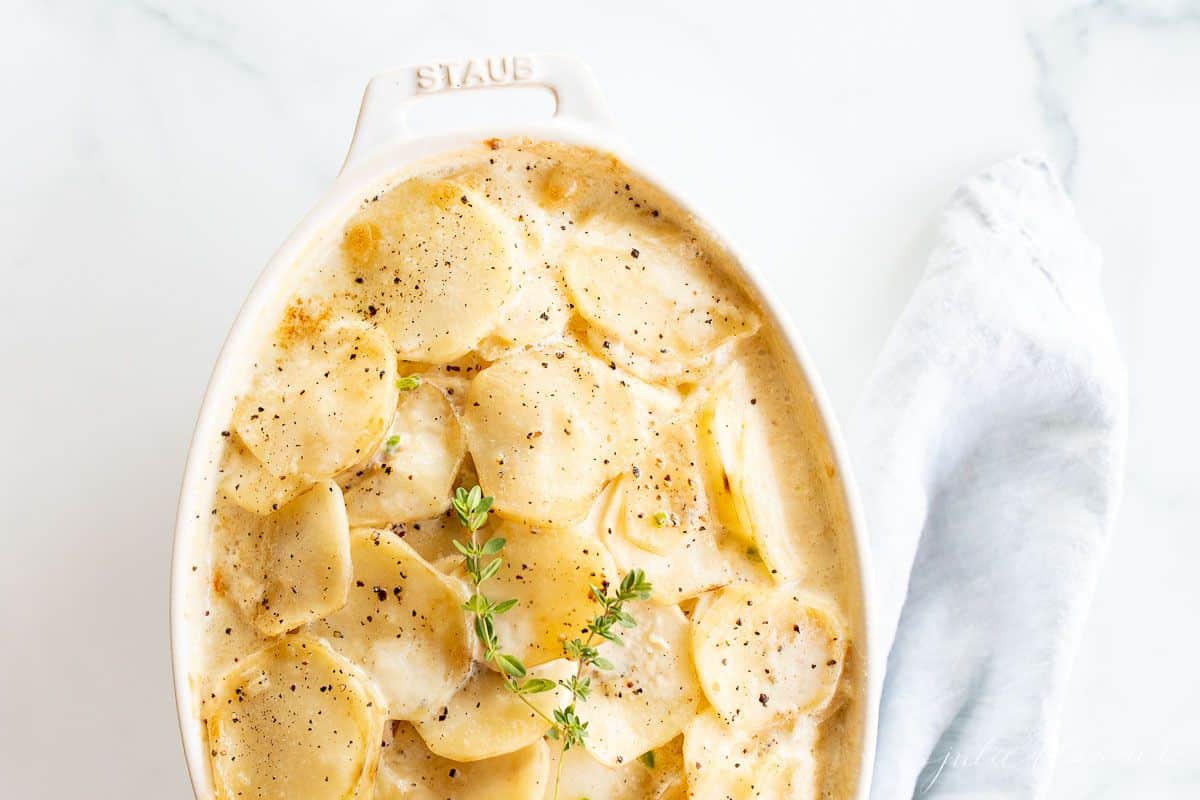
(383, 149)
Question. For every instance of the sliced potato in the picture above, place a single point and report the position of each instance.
(484, 719)
(768, 654)
(656, 293)
(294, 720)
(433, 265)
(650, 694)
(758, 489)
(247, 482)
(722, 422)
(453, 378)
(735, 763)
(409, 771)
(239, 550)
(676, 789)
(655, 775)
(572, 195)
(412, 475)
(546, 429)
(560, 184)
(433, 538)
(695, 607)
(663, 497)
(307, 569)
(322, 402)
(693, 566)
(666, 765)
(696, 566)
(742, 478)
(658, 373)
(404, 623)
(538, 311)
(549, 572)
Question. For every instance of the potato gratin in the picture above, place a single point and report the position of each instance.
(539, 321)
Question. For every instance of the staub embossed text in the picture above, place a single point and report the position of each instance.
(490, 71)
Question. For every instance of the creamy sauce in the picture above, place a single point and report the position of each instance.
(589, 355)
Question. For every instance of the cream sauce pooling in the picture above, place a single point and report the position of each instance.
(577, 260)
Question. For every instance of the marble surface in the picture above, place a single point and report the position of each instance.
(155, 153)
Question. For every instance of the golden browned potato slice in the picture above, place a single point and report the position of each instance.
(768, 654)
(572, 192)
(546, 429)
(650, 694)
(433, 265)
(657, 294)
(409, 771)
(655, 775)
(743, 483)
(322, 402)
(247, 482)
(307, 570)
(412, 475)
(734, 763)
(294, 720)
(663, 497)
(549, 571)
(561, 184)
(239, 551)
(404, 623)
(484, 719)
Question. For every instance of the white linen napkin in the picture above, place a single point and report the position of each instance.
(988, 447)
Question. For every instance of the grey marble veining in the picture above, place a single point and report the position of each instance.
(1061, 44)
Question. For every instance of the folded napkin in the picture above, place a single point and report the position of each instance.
(988, 448)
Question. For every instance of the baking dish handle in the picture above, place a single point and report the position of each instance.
(381, 120)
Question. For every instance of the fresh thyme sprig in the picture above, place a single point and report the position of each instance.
(566, 725)
(586, 654)
(472, 509)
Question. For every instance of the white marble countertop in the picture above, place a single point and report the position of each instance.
(156, 152)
